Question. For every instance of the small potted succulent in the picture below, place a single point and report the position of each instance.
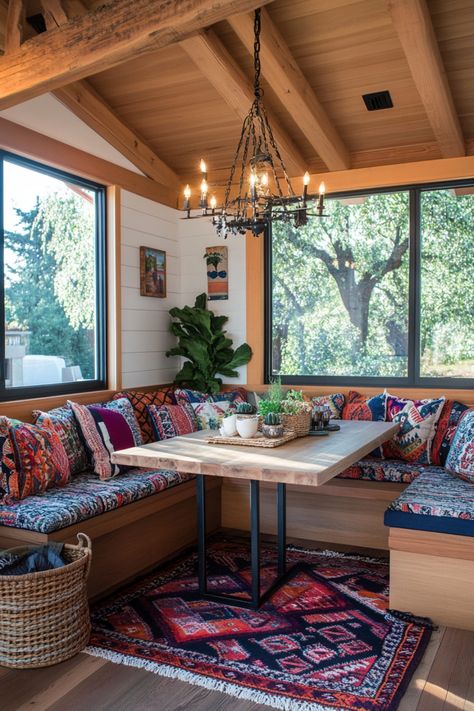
(296, 413)
(245, 409)
(272, 426)
(229, 424)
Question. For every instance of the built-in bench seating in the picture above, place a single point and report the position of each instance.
(423, 514)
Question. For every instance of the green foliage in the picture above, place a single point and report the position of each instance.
(202, 340)
(50, 282)
(341, 288)
(244, 408)
(272, 418)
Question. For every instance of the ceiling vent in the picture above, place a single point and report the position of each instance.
(378, 100)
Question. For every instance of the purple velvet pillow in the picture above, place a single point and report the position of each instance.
(104, 431)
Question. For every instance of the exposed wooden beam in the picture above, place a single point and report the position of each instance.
(215, 62)
(282, 72)
(103, 38)
(412, 21)
(14, 25)
(53, 14)
(37, 146)
(87, 105)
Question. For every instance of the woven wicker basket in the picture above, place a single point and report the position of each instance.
(44, 616)
(300, 423)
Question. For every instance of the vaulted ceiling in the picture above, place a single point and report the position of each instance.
(185, 100)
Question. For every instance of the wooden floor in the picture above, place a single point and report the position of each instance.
(444, 681)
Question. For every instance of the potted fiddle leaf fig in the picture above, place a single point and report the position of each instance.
(204, 343)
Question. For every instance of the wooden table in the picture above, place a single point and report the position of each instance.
(306, 461)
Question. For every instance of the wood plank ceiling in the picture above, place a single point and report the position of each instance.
(335, 51)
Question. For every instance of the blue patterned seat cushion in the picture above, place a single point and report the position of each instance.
(84, 497)
(435, 501)
(373, 469)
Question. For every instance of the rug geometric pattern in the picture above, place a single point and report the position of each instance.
(323, 641)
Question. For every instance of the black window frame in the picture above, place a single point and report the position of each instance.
(100, 382)
(413, 378)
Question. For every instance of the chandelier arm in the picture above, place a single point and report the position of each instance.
(234, 164)
(277, 152)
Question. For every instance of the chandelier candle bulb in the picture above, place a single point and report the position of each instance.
(203, 168)
(187, 197)
(204, 189)
(306, 180)
(322, 191)
(213, 203)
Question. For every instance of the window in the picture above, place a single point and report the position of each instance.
(381, 290)
(52, 275)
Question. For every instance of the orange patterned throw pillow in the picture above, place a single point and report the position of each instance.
(140, 402)
(33, 459)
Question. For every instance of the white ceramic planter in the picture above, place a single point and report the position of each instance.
(247, 427)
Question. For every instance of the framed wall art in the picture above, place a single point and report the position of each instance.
(152, 272)
(217, 273)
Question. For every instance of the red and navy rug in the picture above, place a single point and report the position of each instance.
(324, 640)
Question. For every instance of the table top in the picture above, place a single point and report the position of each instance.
(307, 461)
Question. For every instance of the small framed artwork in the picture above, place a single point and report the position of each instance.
(152, 272)
(217, 273)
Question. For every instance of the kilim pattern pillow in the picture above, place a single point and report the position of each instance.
(64, 423)
(104, 430)
(358, 407)
(140, 402)
(417, 419)
(448, 421)
(33, 459)
(335, 402)
(172, 420)
(460, 460)
(209, 415)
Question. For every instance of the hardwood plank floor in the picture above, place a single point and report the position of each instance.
(444, 681)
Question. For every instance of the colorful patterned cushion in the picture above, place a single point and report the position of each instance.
(186, 396)
(172, 420)
(335, 402)
(192, 397)
(209, 415)
(448, 421)
(436, 501)
(124, 406)
(358, 407)
(460, 460)
(84, 497)
(417, 420)
(33, 459)
(140, 402)
(64, 423)
(394, 470)
(104, 431)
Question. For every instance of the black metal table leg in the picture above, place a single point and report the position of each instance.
(257, 599)
(281, 528)
(201, 526)
(255, 540)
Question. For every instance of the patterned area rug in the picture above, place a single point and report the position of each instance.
(323, 641)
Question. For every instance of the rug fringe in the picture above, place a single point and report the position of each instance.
(239, 692)
(413, 619)
(338, 554)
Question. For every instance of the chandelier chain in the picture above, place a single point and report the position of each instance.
(256, 58)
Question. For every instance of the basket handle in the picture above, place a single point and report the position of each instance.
(84, 541)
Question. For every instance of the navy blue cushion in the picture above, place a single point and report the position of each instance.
(435, 501)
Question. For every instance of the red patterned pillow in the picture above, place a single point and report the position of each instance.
(448, 421)
(172, 420)
(140, 402)
(33, 459)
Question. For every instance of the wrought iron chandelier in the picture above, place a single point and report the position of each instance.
(265, 193)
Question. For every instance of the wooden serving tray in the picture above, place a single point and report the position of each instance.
(258, 441)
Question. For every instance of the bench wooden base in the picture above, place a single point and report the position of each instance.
(341, 511)
(432, 575)
(132, 539)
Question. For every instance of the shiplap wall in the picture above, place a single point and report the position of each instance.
(145, 320)
(194, 236)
